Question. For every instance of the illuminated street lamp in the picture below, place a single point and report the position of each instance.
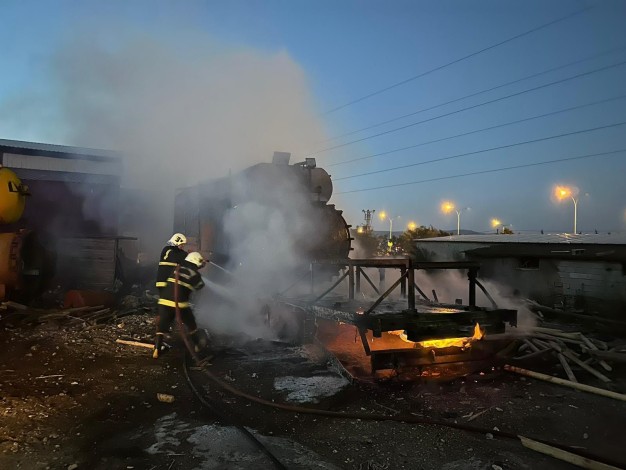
(411, 225)
(448, 207)
(382, 215)
(564, 192)
(495, 223)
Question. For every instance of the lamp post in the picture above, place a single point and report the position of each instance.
(411, 225)
(564, 192)
(448, 207)
(383, 215)
(495, 223)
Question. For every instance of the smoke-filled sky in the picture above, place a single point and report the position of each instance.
(190, 90)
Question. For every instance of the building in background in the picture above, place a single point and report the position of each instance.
(74, 191)
(583, 272)
(68, 232)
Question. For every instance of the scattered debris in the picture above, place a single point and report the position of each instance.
(568, 383)
(165, 398)
(472, 416)
(561, 454)
(85, 315)
(372, 465)
(572, 349)
(135, 343)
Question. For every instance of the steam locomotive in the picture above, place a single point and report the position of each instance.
(288, 201)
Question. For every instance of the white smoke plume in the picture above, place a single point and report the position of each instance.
(179, 112)
(451, 285)
(269, 236)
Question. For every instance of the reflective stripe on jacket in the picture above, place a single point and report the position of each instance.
(170, 257)
(189, 280)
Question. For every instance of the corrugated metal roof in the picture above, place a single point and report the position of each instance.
(58, 149)
(547, 238)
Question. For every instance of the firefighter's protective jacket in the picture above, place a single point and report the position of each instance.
(170, 257)
(189, 280)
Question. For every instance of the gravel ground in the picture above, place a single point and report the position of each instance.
(73, 398)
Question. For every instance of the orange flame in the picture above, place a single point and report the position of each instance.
(446, 342)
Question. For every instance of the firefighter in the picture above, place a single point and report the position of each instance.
(184, 279)
(172, 254)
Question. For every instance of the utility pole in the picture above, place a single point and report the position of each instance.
(368, 213)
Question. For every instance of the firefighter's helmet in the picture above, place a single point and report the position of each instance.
(177, 239)
(195, 258)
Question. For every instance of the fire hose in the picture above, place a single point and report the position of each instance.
(221, 416)
(356, 416)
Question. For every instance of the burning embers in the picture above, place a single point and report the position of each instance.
(463, 343)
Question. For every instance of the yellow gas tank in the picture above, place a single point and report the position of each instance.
(12, 196)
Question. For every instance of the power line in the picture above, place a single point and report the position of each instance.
(486, 90)
(556, 82)
(581, 157)
(456, 61)
(615, 98)
(451, 157)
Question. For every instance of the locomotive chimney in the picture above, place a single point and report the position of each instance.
(281, 158)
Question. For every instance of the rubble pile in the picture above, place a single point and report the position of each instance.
(574, 351)
(85, 316)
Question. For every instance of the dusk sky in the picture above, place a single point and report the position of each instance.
(364, 63)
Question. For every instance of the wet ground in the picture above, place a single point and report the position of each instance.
(73, 398)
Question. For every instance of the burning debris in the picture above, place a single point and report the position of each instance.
(463, 343)
(403, 333)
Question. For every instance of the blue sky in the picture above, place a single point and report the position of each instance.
(349, 49)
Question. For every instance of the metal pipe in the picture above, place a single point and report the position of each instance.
(350, 281)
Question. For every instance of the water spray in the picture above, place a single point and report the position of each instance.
(221, 268)
(219, 289)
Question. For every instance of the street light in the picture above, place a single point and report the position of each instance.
(495, 223)
(447, 207)
(564, 192)
(411, 225)
(382, 215)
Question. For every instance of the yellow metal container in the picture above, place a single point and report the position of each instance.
(10, 260)
(12, 196)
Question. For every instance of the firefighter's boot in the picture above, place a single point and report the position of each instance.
(158, 346)
(200, 342)
(196, 339)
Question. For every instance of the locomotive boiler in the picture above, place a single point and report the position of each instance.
(280, 207)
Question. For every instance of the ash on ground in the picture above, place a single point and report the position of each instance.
(71, 397)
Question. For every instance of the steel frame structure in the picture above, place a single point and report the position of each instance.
(420, 319)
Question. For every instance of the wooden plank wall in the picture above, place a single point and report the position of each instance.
(87, 263)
